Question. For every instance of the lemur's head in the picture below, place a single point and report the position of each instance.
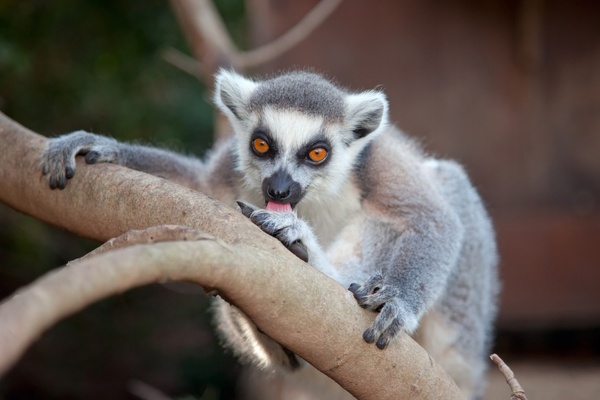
(298, 135)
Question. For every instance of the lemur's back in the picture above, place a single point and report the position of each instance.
(392, 174)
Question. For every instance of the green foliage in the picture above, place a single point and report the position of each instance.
(97, 65)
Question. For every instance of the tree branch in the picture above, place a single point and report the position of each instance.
(207, 35)
(211, 43)
(291, 38)
(252, 270)
(517, 392)
(184, 62)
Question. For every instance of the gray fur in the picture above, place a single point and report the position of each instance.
(407, 233)
(302, 91)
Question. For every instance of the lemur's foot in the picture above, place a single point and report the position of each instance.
(284, 226)
(58, 160)
(394, 316)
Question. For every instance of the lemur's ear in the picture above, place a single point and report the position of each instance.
(232, 92)
(365, 112)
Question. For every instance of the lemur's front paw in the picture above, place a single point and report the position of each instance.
(284, 226)
(58, 160)
(394, 314)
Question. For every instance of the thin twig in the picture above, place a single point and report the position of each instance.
(291, 38)
(206, 34)
(530, 21)
(517, 391)
(213, 46)
(145, 392)
(182, 61)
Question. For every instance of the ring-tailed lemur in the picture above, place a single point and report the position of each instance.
(319, 168)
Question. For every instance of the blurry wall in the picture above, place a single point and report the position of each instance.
(511, 89)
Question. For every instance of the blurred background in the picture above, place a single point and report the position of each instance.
(509, 88)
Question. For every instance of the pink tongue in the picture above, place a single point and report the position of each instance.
(279, 207)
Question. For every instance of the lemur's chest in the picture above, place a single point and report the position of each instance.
(328, 218)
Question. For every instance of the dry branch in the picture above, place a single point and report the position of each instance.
(282, 295)
(206, 35)
(517, 392)
(270, 51)
(213, 47)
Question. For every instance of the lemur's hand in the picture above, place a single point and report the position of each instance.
(394, 314)
(58, 160)
(284, 226)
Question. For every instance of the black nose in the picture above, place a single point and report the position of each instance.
(278, 194)
(280, 187)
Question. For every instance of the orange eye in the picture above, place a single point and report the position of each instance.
(261, 146)
(317, 154)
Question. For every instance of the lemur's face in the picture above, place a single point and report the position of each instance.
(298, 135)
(290, 156)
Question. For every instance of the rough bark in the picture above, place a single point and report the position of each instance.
(293, 303)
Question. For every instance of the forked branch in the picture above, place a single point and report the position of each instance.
(291, 38)
(282, 295)
(213, 47)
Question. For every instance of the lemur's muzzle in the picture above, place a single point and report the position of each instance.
(281, 188)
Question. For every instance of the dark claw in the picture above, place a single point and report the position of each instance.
(299, 250)
(246, 209)
(259, 219)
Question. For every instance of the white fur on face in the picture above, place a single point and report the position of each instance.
(291, 131)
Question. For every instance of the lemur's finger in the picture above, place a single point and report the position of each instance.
(299, 250)
(380, 326)
(365, 294)
(69, 171)
(354, 287)
(246, 208)
(391, 321)
(92, 157)
(58, 183)
(389, 333)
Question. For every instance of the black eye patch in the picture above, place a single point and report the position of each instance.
(262, 144)
(305, 154)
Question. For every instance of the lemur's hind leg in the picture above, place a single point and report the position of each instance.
(247, 342)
